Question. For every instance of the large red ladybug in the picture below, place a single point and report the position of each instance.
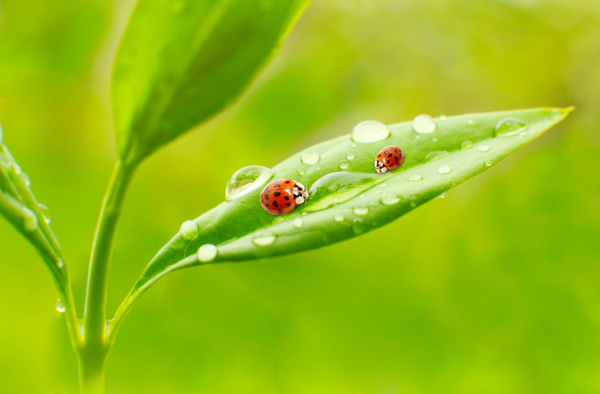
(389, 158)
(282, 196)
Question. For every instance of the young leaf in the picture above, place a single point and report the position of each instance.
(181, 62)
(346, 203)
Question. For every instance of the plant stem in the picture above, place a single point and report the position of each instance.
(93, 353)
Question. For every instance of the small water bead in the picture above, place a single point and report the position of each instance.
(245, 180)
(189, 230)
(470, 121)
(466, 144)
(370, 131)
(29, 219)
(358, 226)
(383, 185)
(344, 164)
(60, 263)
(45, 213)
(361, 210)
(443, 195)
(522, 135)
(424, 124)
(378, 192)
(390, 199)
(444, 169)
(436, 154)
(301, 172)
(488, 163)
(509, 126)
(297, 222)
(310, 157)
(483, 148)
(350, 156)
(413, 202)
(26, 179)
(263, 239)
(207, 253)
(59, 306)
(338, 218)
(304, 213)
(16, 169)
(415, 178)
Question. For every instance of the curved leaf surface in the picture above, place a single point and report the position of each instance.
(357, 200)
(180, 62)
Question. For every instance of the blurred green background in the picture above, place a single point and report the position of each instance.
(494, 289)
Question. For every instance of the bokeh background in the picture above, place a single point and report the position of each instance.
(494, 289)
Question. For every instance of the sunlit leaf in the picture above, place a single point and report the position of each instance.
(359, 199)
(181, 62)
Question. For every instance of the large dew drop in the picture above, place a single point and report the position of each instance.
(424, 124)
(415, 178)
(444, 169)
(189, 230)
(509, 126)
(262, 239)
(483, 148)
(370, 131)
(246, 180)
(207, 253)
(344, 164)
(361, 210)
(466, 144)
(310, 157)
(298, 223)
(338, 187)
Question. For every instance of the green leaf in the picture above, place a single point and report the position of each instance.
(358, 200)
(181, 62)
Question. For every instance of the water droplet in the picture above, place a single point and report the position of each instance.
(444, 169)
(59, 306)
(413, 202)
(16, 169)
(470, 121)
(378, 192)
(383, 185)
(45, 213)
(304, 213)
(338, 187)
(263, 239)
(415, 177)
(344, 164)
(29, 220)
(246, 180)
(443, 195)
(436, 154)
(189, 230)
(466, 144)
(60, 263)
(483, 148)
(358, 226)
(26, 179)
(207, 253)
(370, 131)
(522, 135)
(338, 218)
(390, 199)
(297, 222)
(361, 210)
(488, 163)
(509, 126)
(350, 156)
(424, 124)
(310, 157)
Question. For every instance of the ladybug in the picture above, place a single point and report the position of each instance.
(282, 196)
(389, 158)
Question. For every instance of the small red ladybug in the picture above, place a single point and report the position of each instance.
(282, 196)
(389, 158)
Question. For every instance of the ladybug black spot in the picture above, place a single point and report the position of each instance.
(277, 194)
(286, 197)
(288, 204)
(396, 150)
(267, 205)
(267, 197)
(275, 204)
(385, 151)
(396, 158)
(287, 182)
(390, 155)
(278, 185)
(280, 210)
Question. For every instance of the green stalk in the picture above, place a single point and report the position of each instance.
(92, 356)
